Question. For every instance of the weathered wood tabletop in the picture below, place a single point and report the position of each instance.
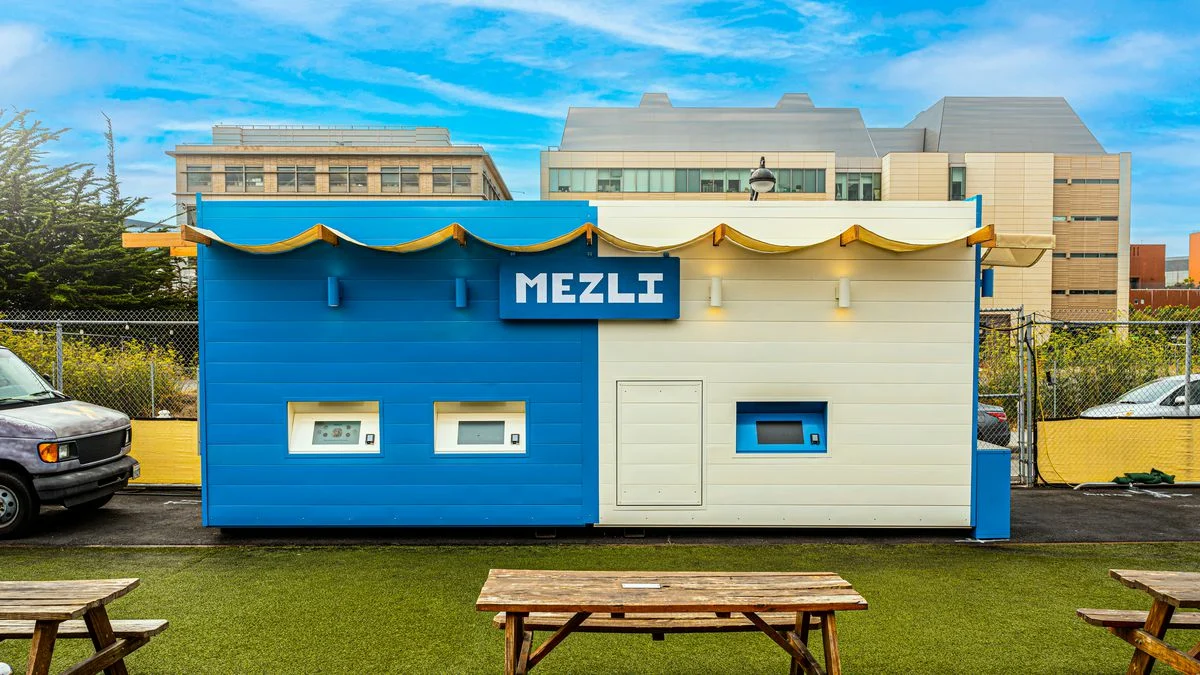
(520, 592)
(1170, 590)
(49, 603)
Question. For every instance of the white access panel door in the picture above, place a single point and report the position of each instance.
(660, 443)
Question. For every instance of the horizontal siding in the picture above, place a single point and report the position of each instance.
(896, 369)
(269, 338)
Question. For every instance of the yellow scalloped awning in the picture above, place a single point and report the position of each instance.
(856, 233)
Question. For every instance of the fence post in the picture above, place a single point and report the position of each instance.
(58, 356)
(1187, 371)
(153, 412)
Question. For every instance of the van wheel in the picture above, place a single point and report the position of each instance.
(91, 505)
(18, 505)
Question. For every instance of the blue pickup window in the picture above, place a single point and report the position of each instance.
(782, 427)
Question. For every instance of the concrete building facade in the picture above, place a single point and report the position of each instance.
(323, 162)
(1039, 169)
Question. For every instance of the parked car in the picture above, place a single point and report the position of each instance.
(993, 424)
(55, 450)
(1160, 398)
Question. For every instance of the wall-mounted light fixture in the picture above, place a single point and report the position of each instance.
(714, 292)
(333, 291)
(842, 293)
(460, 292)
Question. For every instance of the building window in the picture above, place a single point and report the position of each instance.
(958, 183)
(1094, 219)
(452, 179)
(1060, 219)
(1095, 181)
(296, 178)
(1060, 255)
(399, 179)
(800, 180)
(490, 191)
(1060, 181)
(677, 180)
(347, 179)
(243, 179)
(1058, 291)
(479, 427)
(199, 178)
(608, 180)
(857, 187)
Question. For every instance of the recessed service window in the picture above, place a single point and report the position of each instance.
(781, 427)
(333, 427)
(479, 427)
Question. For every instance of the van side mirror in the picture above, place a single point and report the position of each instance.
(46, 377)
(1180, 400)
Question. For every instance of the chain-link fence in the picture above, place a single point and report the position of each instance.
(1116, 400)
(141, 363)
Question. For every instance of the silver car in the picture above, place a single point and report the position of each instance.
(1160, 398)
(55, 450)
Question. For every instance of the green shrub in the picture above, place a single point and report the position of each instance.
(112, 371)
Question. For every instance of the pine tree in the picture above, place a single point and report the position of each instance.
(61, 227)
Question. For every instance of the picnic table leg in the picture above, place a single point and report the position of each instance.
(101, 632)
(833, 659)
(42, 649)
(1156, 624)
(801, 635)
(514, 641)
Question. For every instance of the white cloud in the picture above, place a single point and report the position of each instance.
(671, 26)
(17, 42)
(1037, 56)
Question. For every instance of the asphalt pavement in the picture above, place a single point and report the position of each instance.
(158, 517)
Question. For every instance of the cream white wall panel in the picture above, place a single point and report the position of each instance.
(766, 515)
(896, 369)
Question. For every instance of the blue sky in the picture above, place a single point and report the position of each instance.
(503, 72)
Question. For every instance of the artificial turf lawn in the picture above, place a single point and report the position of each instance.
(934, 608)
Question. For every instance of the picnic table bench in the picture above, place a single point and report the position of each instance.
(1145, 630)
(783, 605)
(44, 611)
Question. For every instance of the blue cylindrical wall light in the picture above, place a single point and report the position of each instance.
(334, 292)
(460, 292)
(987, 282)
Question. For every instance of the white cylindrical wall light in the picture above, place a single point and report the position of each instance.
(843, 292)
(714, 292)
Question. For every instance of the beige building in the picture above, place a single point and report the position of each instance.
(1037, 166)
(319, 162)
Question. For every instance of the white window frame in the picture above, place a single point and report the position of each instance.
(448, 415)
(303, 416)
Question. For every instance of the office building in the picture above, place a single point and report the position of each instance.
(1176, 270)
(1037, 166)
(325, 162)
(1148, 266)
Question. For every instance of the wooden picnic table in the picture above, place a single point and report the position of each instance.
(717, 594)
(51, 603)
(1170, 591)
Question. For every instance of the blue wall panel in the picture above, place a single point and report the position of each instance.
(269, 336)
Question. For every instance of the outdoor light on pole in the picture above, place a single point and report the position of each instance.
(761, 179)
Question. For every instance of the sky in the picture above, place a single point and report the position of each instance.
(502, 73)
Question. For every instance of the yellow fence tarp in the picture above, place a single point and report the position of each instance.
(1097, 450)
(168, 451)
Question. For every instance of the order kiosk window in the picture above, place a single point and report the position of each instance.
(782, 427)
(479, 427)
(333, 427)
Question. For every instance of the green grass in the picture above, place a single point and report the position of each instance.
(934, 608)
